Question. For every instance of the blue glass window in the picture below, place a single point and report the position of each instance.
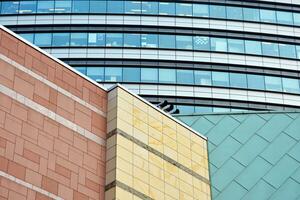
(185, 76)
(218, 44)
(133, 7)
(217, 11)
(256, 82)
(220, 79)
(96, 39)
(185, 109)
(284, 17)
(10, 7)
(167, 76)
(132, 40)
(114, 39)
(184, 42)
(298, 51)
(200, 10)
(79, 39)
(287, 51)
(220, 109)
(61, 39)
(131, 74)
(238, 80)
(268, 16)
(273, 83)
(45, 6)
(167, 41)
(149, 7)
(290, 85)
(149, 75)
(253, 47)
(97, 6)
(115, 6)
(251, 14)
(166, 8)
(203, 77)
(43, 39)
(113, 74)
(27, 36)
(203, 109)
(270, 49)
(236, 46)
(149, 40)
(80, 6)
(297, 19)
(95, 73)
(184, 9)
(234, 13)
(27, 7)
(81, 69)
(201, 43)
(63, 6)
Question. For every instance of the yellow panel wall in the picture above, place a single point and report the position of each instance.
(150, 155)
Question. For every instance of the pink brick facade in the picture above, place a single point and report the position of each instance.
(61, 152)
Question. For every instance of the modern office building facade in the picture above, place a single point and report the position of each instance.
(202, 56)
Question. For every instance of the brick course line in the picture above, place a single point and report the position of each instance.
(29, 185)
(52, 115)
(51, 84)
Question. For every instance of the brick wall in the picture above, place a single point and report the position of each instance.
(52, 127)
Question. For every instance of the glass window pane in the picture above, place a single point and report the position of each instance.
(149, 7)
(166, 8)
(45, 6)
(167, 76)
(220, 79)
(218, 44)
(27, 36)
(43, 39)
(96, 39)
(270, 49)
(149, 40)
(10, 7)
(78, 39)
(256, 82)
(253, 47)
(81, 69)
(95, 73)
(273, 83)
(167, 41)
(61, 39)
(201, 43)
(114, 39)
(27, 7)
(251, 14)
(132, 40)
(113, 74)
(268, 16)
(297, 19)
(287, 51)
(185, 76)
(234, 13)
(115, 6)
(217, 11)
(133, 7)
(236, 46)
(131, 74)
(63, 6)
(184, 9)
(291, 85)
(80, 6)
(97, 6)
(200, 10)
(149, 75)
(298, 51)
(185, 109)
(284, 17)
(184, 42)
(220, 109)
(203, 77)
(238, 80)
(203, 109)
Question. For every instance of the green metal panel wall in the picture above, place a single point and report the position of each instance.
(253, 156)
